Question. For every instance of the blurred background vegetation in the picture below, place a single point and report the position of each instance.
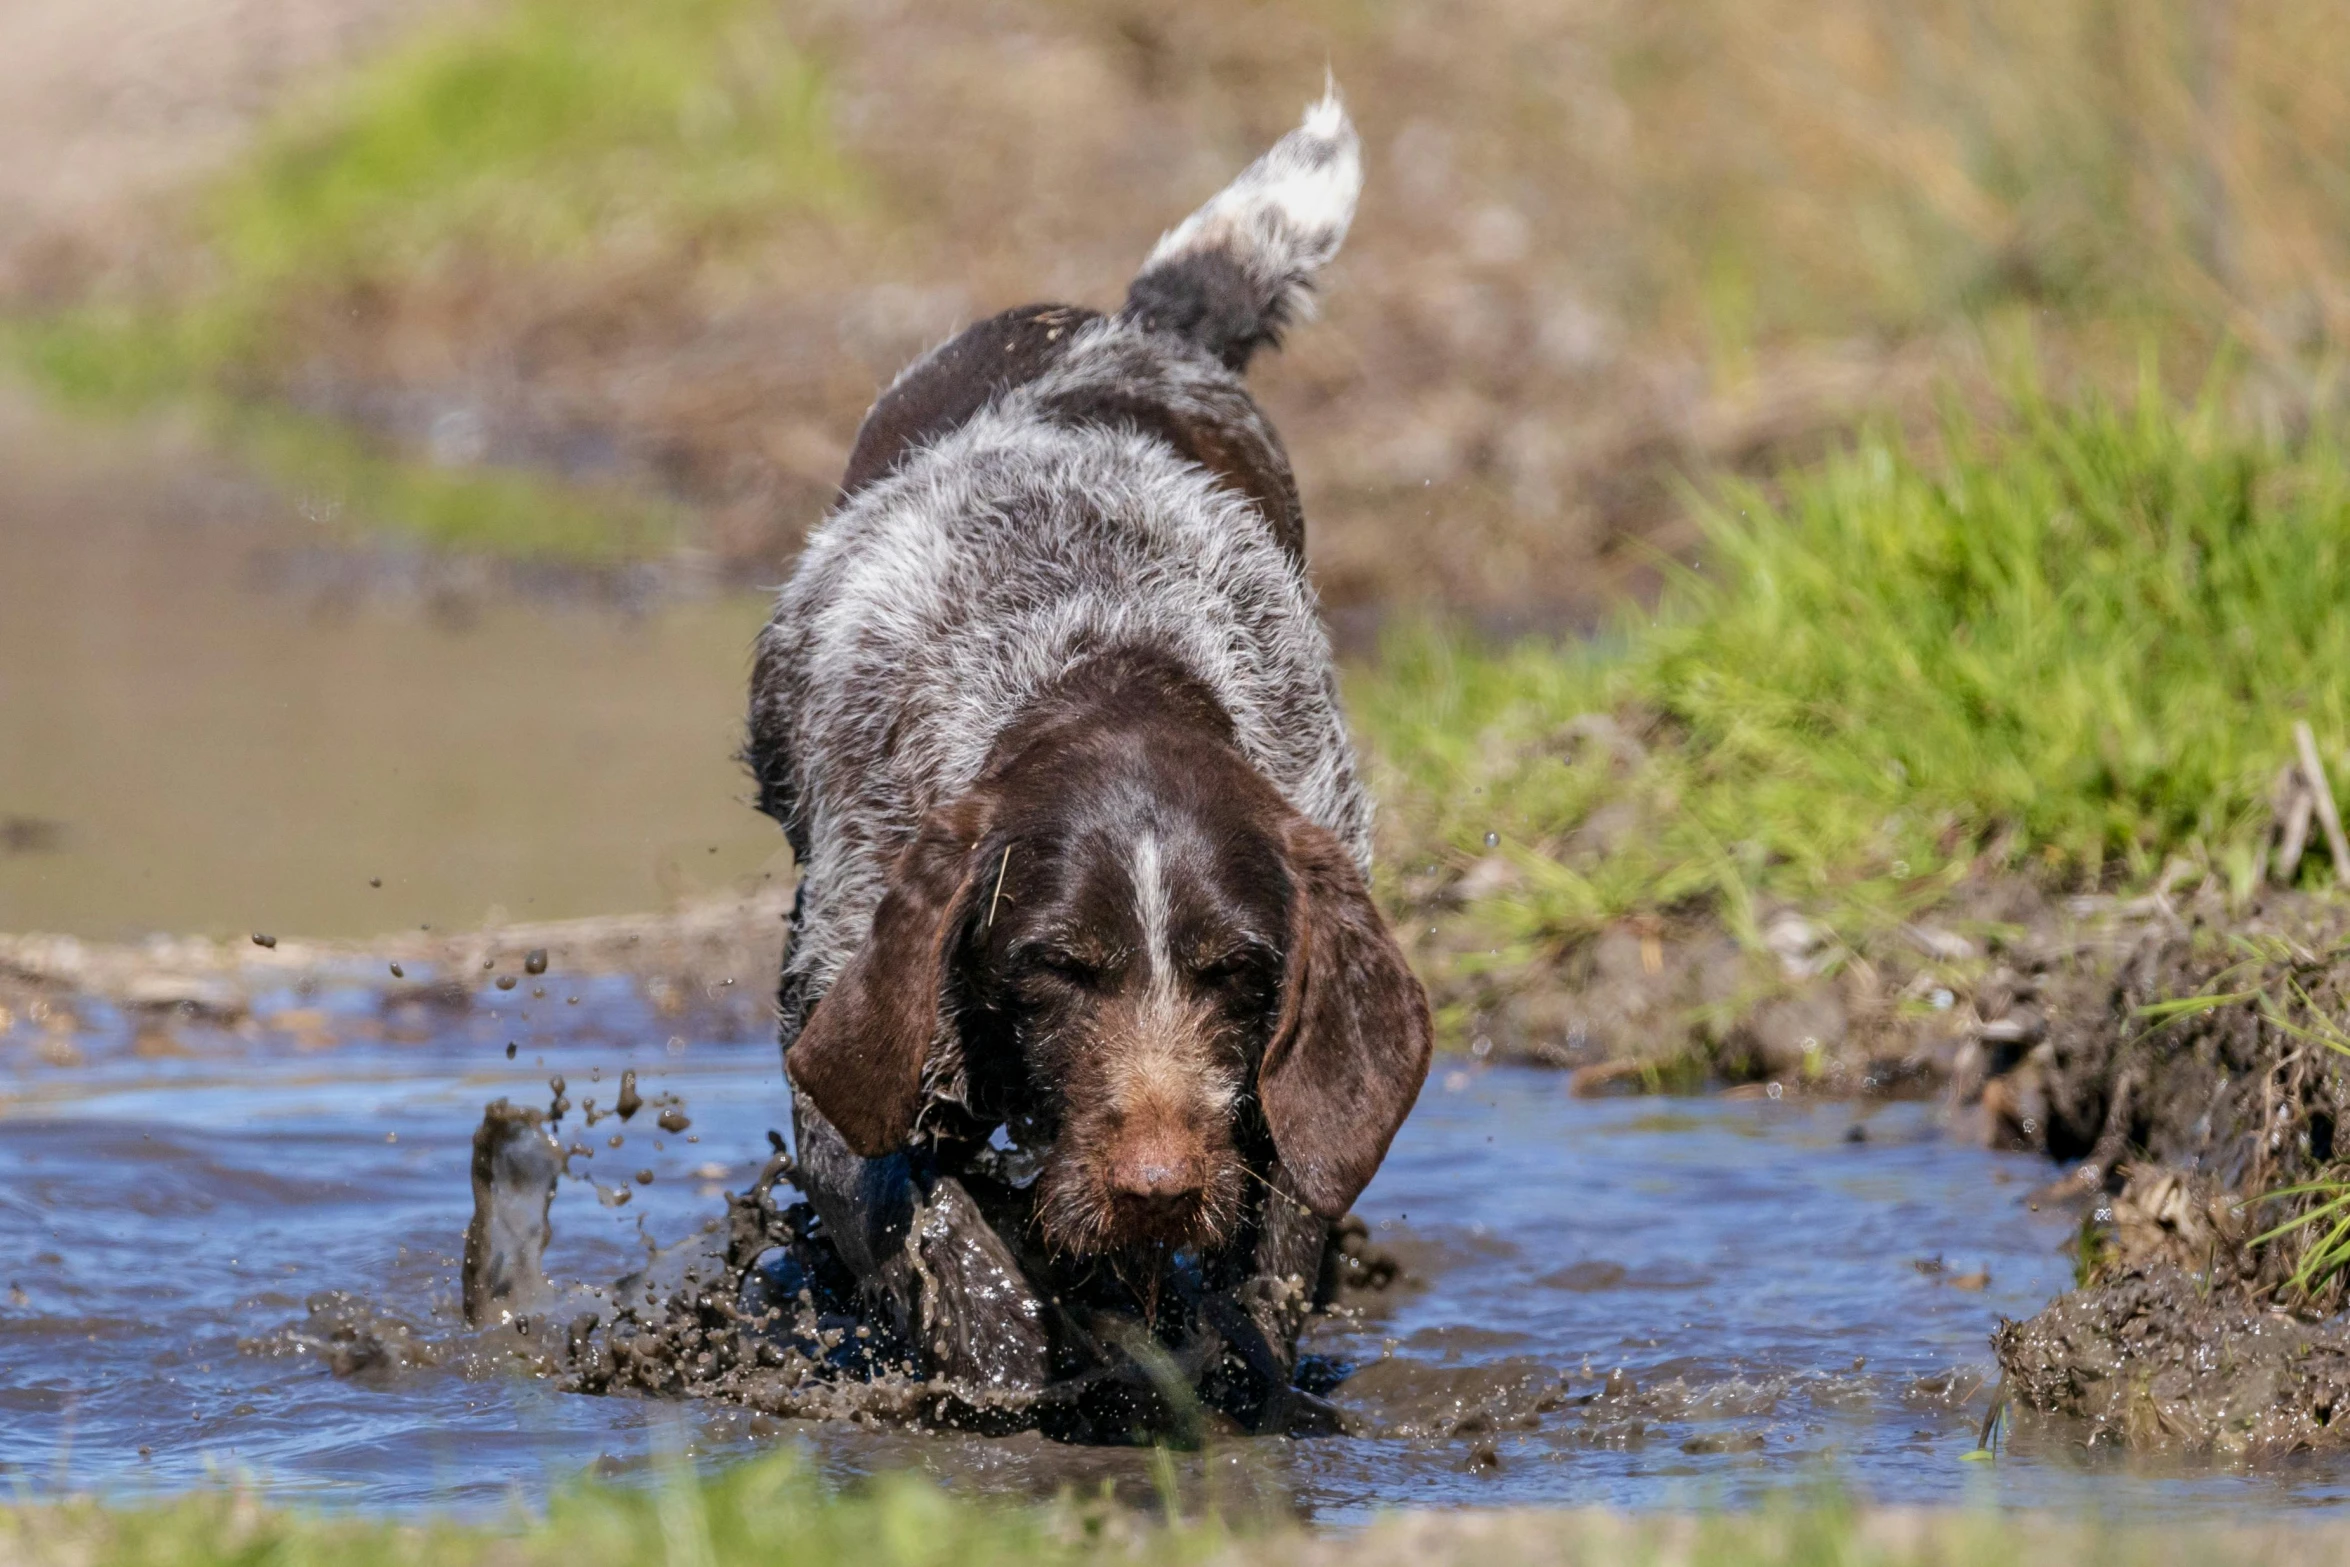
(657, 255)
(598, 296)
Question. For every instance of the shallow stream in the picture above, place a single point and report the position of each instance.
(1624, 1301)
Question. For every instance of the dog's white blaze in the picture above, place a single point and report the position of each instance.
(1150, 911)
(1165, 1066)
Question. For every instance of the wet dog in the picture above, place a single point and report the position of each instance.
(1049, 717)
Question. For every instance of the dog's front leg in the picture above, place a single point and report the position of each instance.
(926, 1260)
(1262, 1318)
(867, 1206)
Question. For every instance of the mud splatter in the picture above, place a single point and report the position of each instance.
(515, 1165)
(758, 1312)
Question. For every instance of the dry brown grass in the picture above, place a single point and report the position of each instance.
(1603, 243)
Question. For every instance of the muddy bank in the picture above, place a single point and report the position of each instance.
(712, 963)
(2194, 1087)
(1958, 995)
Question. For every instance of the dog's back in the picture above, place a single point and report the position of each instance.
(1225, 283)
(1051, 485)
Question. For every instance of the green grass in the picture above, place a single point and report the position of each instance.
(544, 128)
(511, 143)
(2076, 648)
(764, 1512)
(770, 1512)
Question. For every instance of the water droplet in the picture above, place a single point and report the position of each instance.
(1493, 840)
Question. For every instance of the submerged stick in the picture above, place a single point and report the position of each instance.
(2328, 816)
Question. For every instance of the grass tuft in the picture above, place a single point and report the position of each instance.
(534, 131)
(2075, 649)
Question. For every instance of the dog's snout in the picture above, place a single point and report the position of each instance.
(1156, 1172)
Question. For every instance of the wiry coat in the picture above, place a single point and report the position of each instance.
(1061, 607)
(1070, 516)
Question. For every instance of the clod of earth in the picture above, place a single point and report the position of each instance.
(2153, 1358)
(2196, 1083)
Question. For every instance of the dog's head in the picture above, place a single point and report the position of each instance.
(1148, 959)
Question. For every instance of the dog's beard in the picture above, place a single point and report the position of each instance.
(1080, 1216)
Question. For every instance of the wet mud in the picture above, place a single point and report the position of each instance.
(761, 1312)
(2192, 1084)
(757, 1313)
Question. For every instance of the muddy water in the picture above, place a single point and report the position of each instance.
(217, 715)
(242, 1256)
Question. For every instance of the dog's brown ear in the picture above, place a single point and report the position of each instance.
(860, 1057)
(1351, 1047)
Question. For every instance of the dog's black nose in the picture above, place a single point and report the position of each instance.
(1156, 1177)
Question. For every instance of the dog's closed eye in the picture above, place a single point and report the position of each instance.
(1235, 968)
(1062, 966)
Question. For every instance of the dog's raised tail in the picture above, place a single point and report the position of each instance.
(1241, 268)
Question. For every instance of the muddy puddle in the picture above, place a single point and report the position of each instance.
(242, 1257)
(220, 711)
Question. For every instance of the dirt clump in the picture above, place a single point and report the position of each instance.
(2155, 1358)
(2195, 1083)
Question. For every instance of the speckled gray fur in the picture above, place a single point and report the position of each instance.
(930, 610)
